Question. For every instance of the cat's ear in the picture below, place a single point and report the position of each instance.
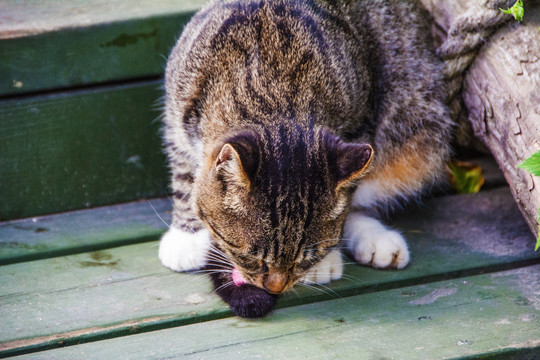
(351, 162)
(237, 161)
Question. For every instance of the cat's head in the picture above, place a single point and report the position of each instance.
(275, 200)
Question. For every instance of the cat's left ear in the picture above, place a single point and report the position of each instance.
(351, 162)
(237, 160)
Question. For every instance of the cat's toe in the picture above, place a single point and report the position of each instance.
(385, 249)
(328, 269)
(184, 251)
(373, 244)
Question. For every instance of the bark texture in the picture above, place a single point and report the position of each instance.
(501, 92)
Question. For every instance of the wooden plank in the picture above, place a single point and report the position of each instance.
(80, 149)
(83, 230)
(52, 302)
(94, 229)
(91, 296)
(479, 316)
(19, 18)
(62, 44)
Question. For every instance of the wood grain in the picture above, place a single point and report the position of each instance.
(83, 230)
(124, 290)
(480, 316)
(79, 149)
(19, 18)
(61, 44)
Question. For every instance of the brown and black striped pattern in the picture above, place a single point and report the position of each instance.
(290, 197)
(267, 105)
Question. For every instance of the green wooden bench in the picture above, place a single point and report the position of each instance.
(79, 103)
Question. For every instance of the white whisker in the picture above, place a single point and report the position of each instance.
(216, 255)
(315, 286)
(329, 289)
(309, 286)
(196, 276)
(211, 271)
(159, 216)
(228, 283)
(224, 265)
(293, 291)
(221, 259)
(351, 278)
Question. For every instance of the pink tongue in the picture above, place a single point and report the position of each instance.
(237, 278)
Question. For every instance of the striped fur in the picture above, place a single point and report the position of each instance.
(268, 107)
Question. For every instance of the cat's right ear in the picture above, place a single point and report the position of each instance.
(351, 162)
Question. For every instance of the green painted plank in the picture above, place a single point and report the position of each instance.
(79, 149)
(86, 42)
(83, 230)
(473, 316)
(98, 294)
(91, 296)
(93, 229)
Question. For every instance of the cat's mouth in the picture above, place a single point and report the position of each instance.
(237, 277)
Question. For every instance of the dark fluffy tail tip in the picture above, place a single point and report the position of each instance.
(249, 301)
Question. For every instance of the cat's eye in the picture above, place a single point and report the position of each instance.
(304, 265)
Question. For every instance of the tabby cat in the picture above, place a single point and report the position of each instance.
(290, 125)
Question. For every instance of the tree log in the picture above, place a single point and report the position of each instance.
(501, 92)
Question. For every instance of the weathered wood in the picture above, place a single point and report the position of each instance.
(502, 95)
(19, 18)
(83, 230)
(120, 291)
(482, 316)
(79, 149)
(50, 45)
(99, 228)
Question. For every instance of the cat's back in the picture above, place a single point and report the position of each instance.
(347, 65)
(242, 60)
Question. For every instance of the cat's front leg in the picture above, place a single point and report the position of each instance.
(328, 269)
(373, 244)
(186, 244)
(181, 250)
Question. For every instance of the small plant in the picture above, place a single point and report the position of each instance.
(516, 10)
(532, 165)
(465, 177)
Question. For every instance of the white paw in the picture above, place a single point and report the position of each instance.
(328, 269)
(183, 251)
(371, 243)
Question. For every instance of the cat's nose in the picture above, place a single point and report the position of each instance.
(276, 283)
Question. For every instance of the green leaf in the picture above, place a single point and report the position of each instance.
(532, 164)
(538, 239)
(516, 10)
(465, 177)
